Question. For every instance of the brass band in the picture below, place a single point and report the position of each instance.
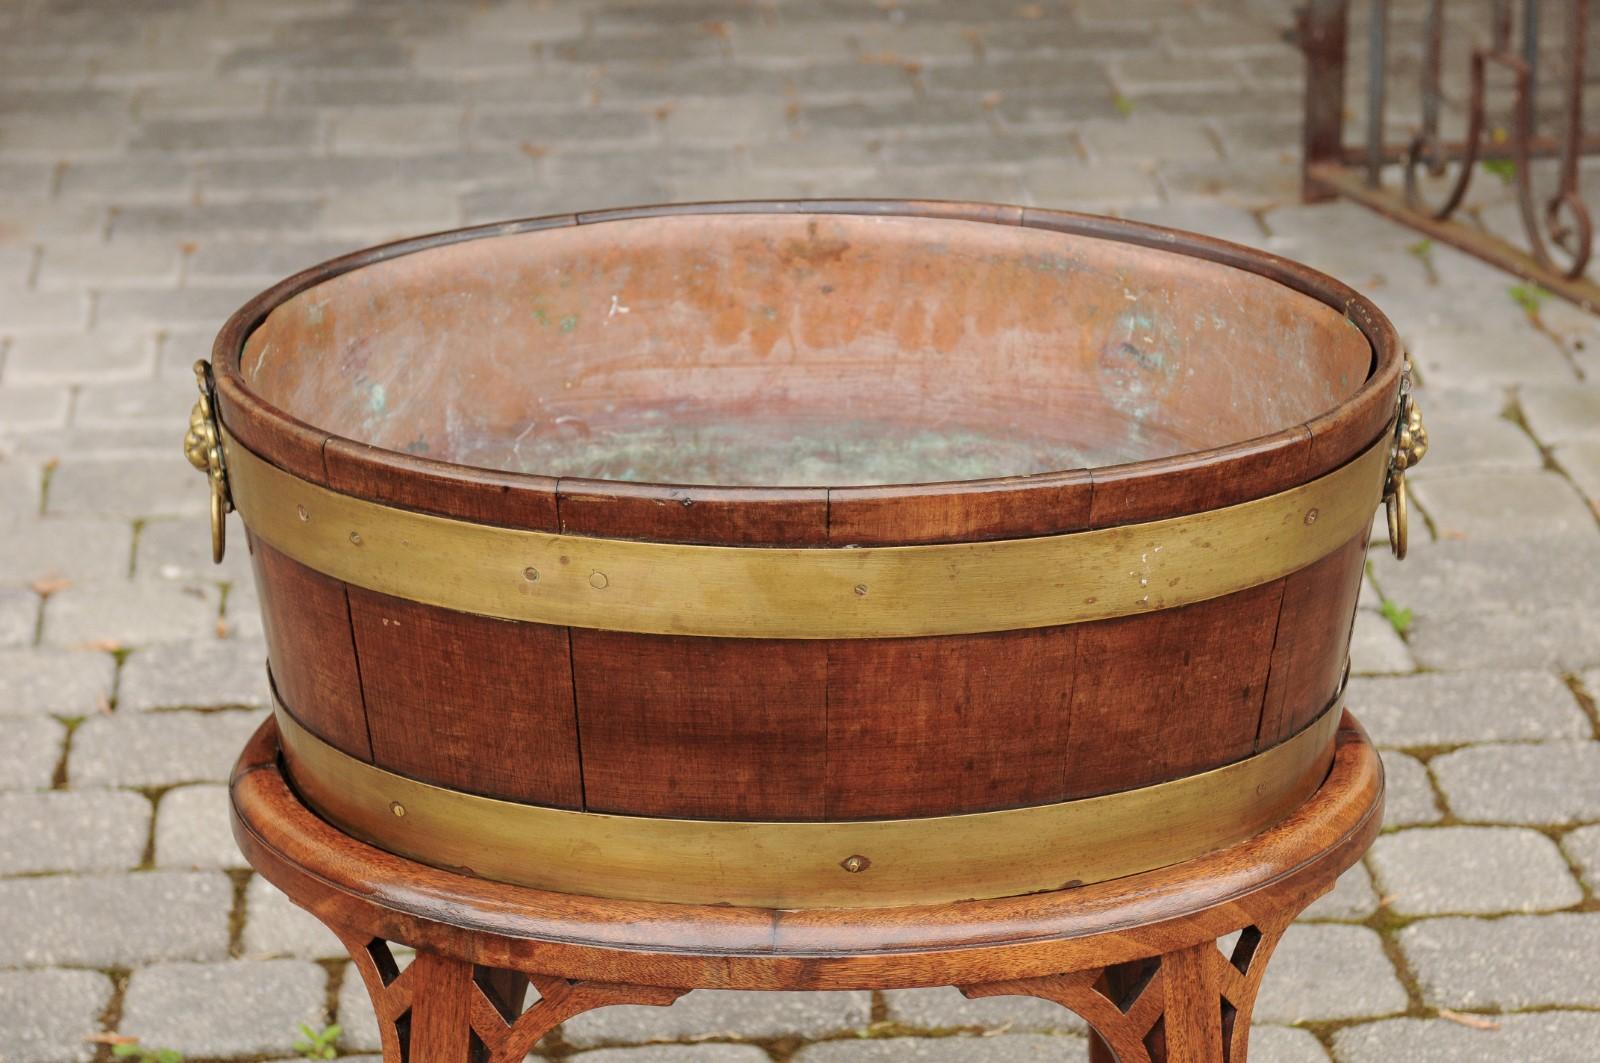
(815, 593)
(872, 863)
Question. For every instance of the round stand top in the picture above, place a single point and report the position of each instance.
(355, 886)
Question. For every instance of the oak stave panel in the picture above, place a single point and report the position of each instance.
(701, 727)
(1313, 643)
(937, 726)
(1169, 693)
(468, 702)
(310, 649)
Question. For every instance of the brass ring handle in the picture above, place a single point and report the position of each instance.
(1409, 447)
(202, 445)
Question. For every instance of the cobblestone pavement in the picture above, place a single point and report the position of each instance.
(161, 161)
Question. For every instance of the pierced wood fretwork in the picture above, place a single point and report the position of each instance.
(444, 1008)
(1190, 1005)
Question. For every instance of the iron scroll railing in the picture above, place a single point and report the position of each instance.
(1513, 48)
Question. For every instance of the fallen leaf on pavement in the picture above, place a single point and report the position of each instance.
(1476, 1022)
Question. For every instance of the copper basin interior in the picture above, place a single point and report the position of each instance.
(799, 350)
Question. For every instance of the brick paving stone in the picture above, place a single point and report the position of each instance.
(276, 926)
(243, 620)
(1324, 971)
(1070, 184)
(139, 750)
(750, 121)
(30, 312)
(72, 548)
(130, 488)
(209, 674)
(724, 1013)
(19, 616)
(1351, 900)
(676, 1054)
(1452, 708)
(1472, 871)
(75, 359)
(1451, 578)
(1549, 782)
(1503, 506)
(72, 264)
(37, 682)
(261, 260)
(201, 96)
(1408, 795)
(31, 409)
(149, 402)
(1580, 460)
(20, 485)
(1472, 443)
(1376, 648)
(179, 549)
(1284, 1044)
(192, 829)
(114, 920)
(1487, 353)
(30, 752)
(126, 180)
(1582, 847)
(1561, 414)
(72, 831)
(1548, 1037)
(1141, 140)
(46, 1013)
(945, 1008)
(122, 309)
(382, 130)
(1565, 638)
(1008, 1048)
(237, 134)
(241, 1008)
(129, 613)
(1520, 961)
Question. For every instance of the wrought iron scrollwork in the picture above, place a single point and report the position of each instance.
(1564, 222)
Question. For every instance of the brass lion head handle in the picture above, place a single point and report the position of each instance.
(202, 445)
(1410, 444)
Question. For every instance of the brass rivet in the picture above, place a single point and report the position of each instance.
(861, 589)
(397, 808)
(301, 512)
(355, 538)
(855, 864)
(1311, 516)
(598, 580)
(530, 574)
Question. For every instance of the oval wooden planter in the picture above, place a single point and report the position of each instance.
(822, 384)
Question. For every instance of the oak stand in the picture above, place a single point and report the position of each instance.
(1137, 958)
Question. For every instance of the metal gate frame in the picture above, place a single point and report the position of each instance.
(1559, 232)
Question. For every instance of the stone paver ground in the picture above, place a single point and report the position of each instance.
(161, 161)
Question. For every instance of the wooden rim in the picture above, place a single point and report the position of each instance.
(810, 592)
(1293, 454)
(835, 864)
(711, 946)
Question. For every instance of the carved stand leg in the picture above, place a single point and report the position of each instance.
(445, 1010)
(1190, 1005)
